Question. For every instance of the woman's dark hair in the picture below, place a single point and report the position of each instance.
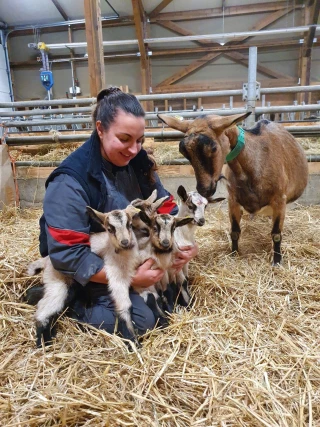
(110, 101)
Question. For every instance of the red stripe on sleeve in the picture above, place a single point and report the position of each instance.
(69, 237)
(167, 206)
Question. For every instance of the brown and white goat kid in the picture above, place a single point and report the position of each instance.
(118, 248)
(159, 247)
(193, 205)
(266, 166)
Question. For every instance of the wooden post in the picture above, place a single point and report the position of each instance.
(92, 14)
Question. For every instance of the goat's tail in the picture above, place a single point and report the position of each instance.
(36, 266)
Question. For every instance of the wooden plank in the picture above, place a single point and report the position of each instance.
(138, 23)
(92, 14)
(189, 69)
(226, 85)
(61, 10)
(248, 9)
(155, 12)
(182, 31)
(244, 59)
(264, 22)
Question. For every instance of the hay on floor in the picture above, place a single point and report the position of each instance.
(247, 353)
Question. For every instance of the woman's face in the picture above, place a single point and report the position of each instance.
(123, 140)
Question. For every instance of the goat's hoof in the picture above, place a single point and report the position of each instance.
(45, 335)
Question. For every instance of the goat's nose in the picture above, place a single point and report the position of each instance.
(124, 243)
(165, 243)
(206, 191)
(201, 222)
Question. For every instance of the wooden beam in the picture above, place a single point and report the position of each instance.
(61, 10)
(226, 85)
(313, 20)
(92, 13)
(244, 59)
(155, 12)
(138, 22)
(177, 29)
(189, 69)
(228, 11)
(310, 17)
(264, 22)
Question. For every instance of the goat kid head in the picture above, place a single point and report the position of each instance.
(149, 206)
(192, 204)
(162, 228)
(206, 146)
(118, 224)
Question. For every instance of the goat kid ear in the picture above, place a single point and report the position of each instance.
(182, 193)
(145, 218)
(153, 196)
(183, 221)
(220, 124)
(99, 217)
(132, 211)
(173, 122)
(159, 202)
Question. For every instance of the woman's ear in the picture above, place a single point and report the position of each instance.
(99, 128)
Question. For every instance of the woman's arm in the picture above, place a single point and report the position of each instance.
(68, 228)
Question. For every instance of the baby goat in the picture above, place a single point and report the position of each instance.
(118, 248)
(193, 205)
(266, 166)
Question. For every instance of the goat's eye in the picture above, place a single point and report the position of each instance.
(111, 230)
(155, 228)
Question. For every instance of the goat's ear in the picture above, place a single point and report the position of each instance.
(145, 218)
(153, 196)
(182, 193)
(158, 203)
(132, 211)
(97, 216)
(219, 124)
(183, 221)
(173, 122)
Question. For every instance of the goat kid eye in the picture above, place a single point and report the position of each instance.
(111, 230)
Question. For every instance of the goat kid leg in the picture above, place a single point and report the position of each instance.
(51, 304)
(123, 307)
(235, 218)
(279, 211)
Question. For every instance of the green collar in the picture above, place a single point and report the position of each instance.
(239, 146)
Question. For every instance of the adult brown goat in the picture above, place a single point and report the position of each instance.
(266, 166)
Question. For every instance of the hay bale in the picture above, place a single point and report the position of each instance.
(247, 353)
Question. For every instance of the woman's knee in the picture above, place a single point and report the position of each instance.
(142, 315)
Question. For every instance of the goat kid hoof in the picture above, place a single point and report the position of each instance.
(44, 335)
(33, 295)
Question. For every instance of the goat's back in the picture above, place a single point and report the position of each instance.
(273, 162)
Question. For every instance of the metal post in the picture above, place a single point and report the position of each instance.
(252, 77)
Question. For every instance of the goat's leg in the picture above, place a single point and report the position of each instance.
(123, 307)
(51, 304)
(46, 333)
(154, 304)
(279, 211)
(235, 218)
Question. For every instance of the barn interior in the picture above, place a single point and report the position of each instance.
(246, 352)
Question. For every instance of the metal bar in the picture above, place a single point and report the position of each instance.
(153, 116)
(252, 77)
(37, 140)
(46, 112)
(153, 97)
(58, 24)
(311, 158)
(220, 36)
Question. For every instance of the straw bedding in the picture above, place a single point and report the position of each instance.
(246, 354)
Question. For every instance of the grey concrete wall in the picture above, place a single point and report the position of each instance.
(32, 190)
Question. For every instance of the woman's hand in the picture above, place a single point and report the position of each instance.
(146, 277)
(185, 254)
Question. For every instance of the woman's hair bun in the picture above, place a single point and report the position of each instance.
(113, 90)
